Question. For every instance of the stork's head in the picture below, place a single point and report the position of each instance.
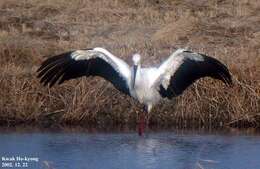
(136, 59)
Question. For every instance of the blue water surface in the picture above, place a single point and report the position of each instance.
(155, 150)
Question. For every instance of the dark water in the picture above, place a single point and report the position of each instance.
(156, 150)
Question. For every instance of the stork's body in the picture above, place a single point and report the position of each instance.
(145, 92)
(147, 85)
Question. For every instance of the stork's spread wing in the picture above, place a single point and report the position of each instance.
(90, 62)
(185, 67)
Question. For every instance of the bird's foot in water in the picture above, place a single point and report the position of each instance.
(141, 124)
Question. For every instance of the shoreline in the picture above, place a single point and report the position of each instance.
(182, 124)
(127, 130)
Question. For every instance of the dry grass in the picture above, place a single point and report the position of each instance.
(31, 29)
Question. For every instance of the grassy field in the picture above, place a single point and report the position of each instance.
(32, 30)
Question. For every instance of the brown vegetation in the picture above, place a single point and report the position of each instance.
(31, 29)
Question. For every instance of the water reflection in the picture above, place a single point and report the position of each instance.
(165, 150)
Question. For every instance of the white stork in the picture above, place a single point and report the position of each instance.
(147, 85)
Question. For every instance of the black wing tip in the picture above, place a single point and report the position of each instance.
(227, 79)
(59, 68)
(51, 67)
(222, 70)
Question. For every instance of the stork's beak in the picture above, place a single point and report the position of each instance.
(135, 70)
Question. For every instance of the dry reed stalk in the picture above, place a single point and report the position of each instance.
(32, 29)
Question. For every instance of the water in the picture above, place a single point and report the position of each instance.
(156, 150)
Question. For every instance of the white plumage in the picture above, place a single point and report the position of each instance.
(147, 85)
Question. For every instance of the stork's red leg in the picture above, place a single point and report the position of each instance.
(141, 124)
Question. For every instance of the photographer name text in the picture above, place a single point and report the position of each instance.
(18, 161)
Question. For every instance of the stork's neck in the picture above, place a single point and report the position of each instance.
(135, 75)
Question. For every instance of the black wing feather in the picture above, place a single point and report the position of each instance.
(191, 70)
(61, 68)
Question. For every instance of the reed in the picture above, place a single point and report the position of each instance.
(31, 30)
